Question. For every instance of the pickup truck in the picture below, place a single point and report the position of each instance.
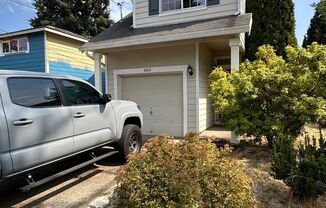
(46, 118)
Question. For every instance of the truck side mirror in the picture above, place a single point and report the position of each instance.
(106, 98)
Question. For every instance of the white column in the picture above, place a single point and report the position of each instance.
(98, 71)
(234, 43)
(106, 68)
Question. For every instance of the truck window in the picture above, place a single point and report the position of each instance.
(79, 93)
(33, 92)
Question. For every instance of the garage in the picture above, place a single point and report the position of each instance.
(160, 97)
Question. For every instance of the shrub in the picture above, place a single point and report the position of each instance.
(283, 158)
(273, 97)
(188, 173)
(308, 178)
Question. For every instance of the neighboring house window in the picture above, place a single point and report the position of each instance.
(19, 45)
(168, 5)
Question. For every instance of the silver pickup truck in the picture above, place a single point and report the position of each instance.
(46, 118)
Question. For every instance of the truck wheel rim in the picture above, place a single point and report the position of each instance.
(134, 142)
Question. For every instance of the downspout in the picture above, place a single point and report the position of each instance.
(238, 12)
(92, 57)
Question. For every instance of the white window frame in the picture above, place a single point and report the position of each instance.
(181, 10)
(11, 53)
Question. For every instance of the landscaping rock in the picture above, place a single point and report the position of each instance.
(100, 202)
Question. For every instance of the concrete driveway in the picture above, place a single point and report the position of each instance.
(77, 189)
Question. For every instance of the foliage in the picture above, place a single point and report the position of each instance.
(271, 97)
(317, 28)
(283, 158)
(308, 177)
(187, 173)
(86, 18)
(273, 24)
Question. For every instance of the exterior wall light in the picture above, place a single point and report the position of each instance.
(190, 71)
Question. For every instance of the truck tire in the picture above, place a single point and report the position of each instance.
(131, 141)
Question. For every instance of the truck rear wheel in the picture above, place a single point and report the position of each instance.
(130, 142)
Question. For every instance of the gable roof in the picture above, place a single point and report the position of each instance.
(50, 29)
(123, 34)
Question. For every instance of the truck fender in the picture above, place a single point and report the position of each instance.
(123, 119)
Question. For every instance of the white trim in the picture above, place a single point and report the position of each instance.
(85, 40)
(197, 86)
(165, 38)
(106, 72)
(134, 14)
(66, 35)
(21, 32)
(47, 69)
(117, 73)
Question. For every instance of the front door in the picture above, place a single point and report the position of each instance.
(40, 126)
(92, 120)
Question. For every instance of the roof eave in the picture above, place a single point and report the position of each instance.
(42, 29)
(175, 37)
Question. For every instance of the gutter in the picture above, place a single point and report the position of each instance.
(165, 38)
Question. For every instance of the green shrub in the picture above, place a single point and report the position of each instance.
(283, 158)
(272, 96)
(308, 178)
(187, 173)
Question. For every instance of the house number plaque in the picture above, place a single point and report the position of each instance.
(147, 69)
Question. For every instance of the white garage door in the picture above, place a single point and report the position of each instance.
(160, 99)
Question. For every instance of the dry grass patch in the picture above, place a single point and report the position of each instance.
(268, 191)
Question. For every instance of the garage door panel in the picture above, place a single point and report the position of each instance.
(160, 99)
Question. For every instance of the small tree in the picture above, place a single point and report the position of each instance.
(86, 18)
(273, 24)
(272, 97)
(317, 28)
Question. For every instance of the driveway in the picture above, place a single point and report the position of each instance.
(77, 189)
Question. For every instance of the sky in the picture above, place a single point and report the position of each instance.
(14, 16)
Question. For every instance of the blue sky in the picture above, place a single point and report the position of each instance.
(15, 16)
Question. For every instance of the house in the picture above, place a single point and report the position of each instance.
(46, 49)
(161, 55)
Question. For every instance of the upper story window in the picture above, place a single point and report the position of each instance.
(169, 5)
(18, 45)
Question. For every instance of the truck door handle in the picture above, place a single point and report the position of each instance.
(79, 115)
(23, 122)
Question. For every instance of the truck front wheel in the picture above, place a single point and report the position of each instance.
(130, 142)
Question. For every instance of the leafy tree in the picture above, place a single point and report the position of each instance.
(271, 97)
(273, 24)
(86, 18)
(317, 28)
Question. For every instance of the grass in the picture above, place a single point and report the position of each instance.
(268, 191)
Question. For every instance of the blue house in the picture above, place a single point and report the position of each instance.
(47, 49)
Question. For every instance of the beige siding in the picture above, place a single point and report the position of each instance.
(225, 8)
(206, 113)
(155, 57)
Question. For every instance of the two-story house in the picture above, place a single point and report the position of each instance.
(46, 49)
(161, 55)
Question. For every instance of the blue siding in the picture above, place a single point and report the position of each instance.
(32, 61)
(62, 68)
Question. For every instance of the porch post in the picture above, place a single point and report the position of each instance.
(234, 43)
(98, 71)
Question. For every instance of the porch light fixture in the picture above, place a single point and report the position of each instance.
(190, 71)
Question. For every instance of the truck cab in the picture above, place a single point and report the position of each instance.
(46, 118)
